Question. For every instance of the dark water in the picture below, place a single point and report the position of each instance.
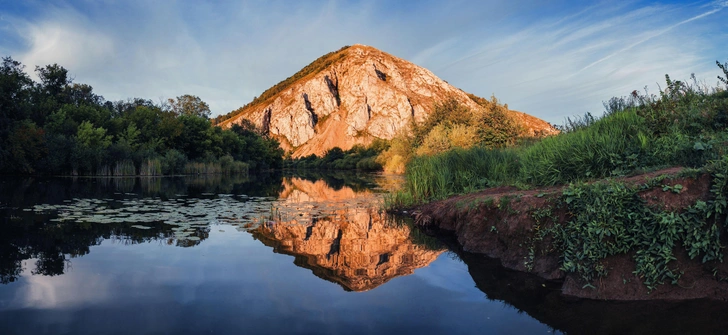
(269, 254)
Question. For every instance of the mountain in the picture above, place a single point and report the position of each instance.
(352, 96)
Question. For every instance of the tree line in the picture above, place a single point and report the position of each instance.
(58, 127)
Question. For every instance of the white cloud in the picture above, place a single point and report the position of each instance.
(68, 43)
(547, 62)
(72, 289)
(554, 68)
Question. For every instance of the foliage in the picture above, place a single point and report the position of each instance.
(58, 127)
(724, 68)
(611, 218)
(452, 125)
(684, 125)
(356, 158)
(92, 137)
(189, 105)
(395, 157)
(26, 146)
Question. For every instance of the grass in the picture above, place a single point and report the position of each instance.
(684, 125)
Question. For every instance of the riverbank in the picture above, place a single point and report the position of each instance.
(652, 236)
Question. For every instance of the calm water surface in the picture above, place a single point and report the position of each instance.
(267, 254)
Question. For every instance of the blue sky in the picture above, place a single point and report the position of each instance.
(551, 59)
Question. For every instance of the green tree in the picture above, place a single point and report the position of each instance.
(196, 142)
(92, 137)
(26, 146)
(14, 92)
(189, 105)
(53, 78)
(129, 138)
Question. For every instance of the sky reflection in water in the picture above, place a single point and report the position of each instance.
(155, 279)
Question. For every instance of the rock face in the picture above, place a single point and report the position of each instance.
(354, 246)
(364, 94)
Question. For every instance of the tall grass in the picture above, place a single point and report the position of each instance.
(609, 146)
(124, 168)
(151, 167)
(460, 170)
(228, 165)
(225, 166)
(685, 125)
(103, 170)
(202, 168)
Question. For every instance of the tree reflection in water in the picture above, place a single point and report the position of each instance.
(54, 220)
(34, 235)
(336, 232)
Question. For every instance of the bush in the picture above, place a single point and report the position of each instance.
(174, 162)
(685, 125)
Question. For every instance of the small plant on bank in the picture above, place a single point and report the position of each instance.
(608, 219)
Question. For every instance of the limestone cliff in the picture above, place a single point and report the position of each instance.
(354, 95)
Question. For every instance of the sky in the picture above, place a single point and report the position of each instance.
(551, 59)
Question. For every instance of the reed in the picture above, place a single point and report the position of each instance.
(202, 168)
(103, 170)
(151, 167)
(124, 168)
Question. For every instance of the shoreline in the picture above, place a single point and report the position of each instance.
(507, 224)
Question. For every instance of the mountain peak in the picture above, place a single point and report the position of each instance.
(352, 96)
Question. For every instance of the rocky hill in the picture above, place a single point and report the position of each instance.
(350, 97)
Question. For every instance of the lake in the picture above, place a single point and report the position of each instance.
(297, 254)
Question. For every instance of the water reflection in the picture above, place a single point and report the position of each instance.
(340, 238)
(331, 225)
(167, 250)
(543, 301)
(53, 220)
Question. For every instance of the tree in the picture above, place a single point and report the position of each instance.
(14, 85)
(129, 137)
(53, 78)
(92, 137)
(189, 105)
(82, 94)
(195, 142)
(26, 146)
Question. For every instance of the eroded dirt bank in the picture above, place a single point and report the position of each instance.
(504, 224)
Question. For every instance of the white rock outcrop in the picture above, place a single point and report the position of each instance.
(367, 94)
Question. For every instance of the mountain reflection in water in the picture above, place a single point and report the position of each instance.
(338, 232)
(169, 250)
(355, 246)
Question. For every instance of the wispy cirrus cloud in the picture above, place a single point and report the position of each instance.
(658, 33)
(560, 65)
(551, 59)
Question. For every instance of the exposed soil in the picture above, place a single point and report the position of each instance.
(499, 223)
